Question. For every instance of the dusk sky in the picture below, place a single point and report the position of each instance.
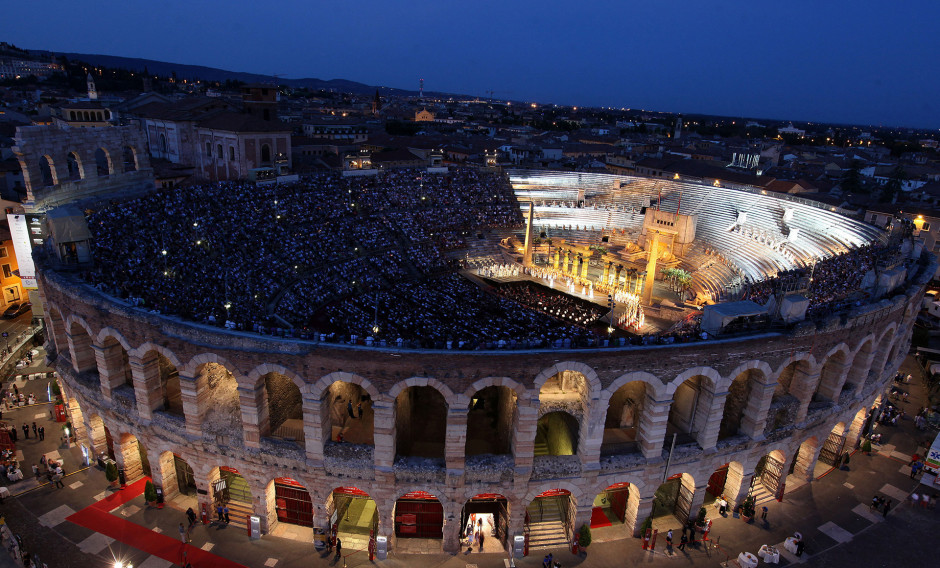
(861, 62)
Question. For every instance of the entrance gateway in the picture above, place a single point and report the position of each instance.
(292, 502)
(353, 516)
(487, 512)
(419, 515)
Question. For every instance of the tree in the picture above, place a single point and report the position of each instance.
(150, 492)
(584, 536)
(894, 185)
(852, 179)
(111, 472)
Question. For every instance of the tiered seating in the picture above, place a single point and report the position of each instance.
(822, 232)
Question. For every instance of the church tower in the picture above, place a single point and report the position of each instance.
(678, 131)
(92, 91)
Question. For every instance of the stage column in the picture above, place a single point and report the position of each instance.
(651, 269)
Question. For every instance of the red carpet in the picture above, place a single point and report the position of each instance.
(599, 518)
(97, 518)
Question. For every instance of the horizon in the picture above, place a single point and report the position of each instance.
(547, 53)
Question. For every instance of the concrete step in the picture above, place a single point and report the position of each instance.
(547, 535)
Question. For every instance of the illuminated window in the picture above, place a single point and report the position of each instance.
(6, 271)
(926, 227)
(3, 252)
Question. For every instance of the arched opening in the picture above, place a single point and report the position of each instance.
(830, 455)
(739, 393)
(859, 428)
(178, 476)
(170, 385)
(549, 519)
(103, 162)
(557, 435)
(58, 335)
(768, 475)
(621, 425)
(221, 417)
(285, 413)
(76, 427)
(100, 438)
(859, 369)
(724, 482)
(486, 514)
(880, 358)
(74, 166)
(830, 379)
(116, 371)
(230, 489)
(419, 514)
(688, 413)
(420, 423)
(353, 516)
(805, 462)
(136, 464)
(346, 408)
(46, 169)
(491, 420)
(292, 502)
(784, 405)
(130, 159)
(83, 355)
(265, 155)
(612, 505)
(672, 503)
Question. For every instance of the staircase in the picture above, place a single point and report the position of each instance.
(761, 495)
(238, 512)
(549, 531)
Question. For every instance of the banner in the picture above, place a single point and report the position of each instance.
(22, 246)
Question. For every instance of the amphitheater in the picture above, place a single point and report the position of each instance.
(533, 442)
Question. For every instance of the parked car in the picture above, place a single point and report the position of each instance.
(17, 309)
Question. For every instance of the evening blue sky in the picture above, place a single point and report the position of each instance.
(866, 62)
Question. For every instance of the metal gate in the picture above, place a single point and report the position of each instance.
(293, 504)
(683, 506)
(419, 516)
(770, 475)
(831, 452)
(231, 486)
(716, 483)
(109, 441)
(618, 501)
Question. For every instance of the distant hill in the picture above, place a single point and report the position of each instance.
(184, 71)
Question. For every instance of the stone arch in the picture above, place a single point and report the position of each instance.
(558, 433)
(47, 172)
(72, 320)
(116, 335)
(213, 402)
(73, 163)
(319, 389)
(79, 335)
(114, 366)
(59, 334)
(103, 162)
(149, 346)
(690, 412)
(712, 375)
(593, 381)
(741, 413)
(99, 437)
(507, 382)
(833, 370)
(770, 471)
(335, 394)
(129, 157)
(537, 489)
(804, 458)
(625, 400)
(675, 498)
(133, 457)
(880, 358)
(421, 413)
(160, 377)
(255, 377)
(805, 363)
(492, 417)
(192, 368)
(437, 385)
(290, 501)
(861, 363)
(281, 412)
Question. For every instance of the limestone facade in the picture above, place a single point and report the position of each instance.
(731, 402)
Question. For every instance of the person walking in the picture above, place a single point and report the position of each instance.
(191, 515)
(349, 409)
(482, 536)
(339, 549)
(36, 471)
(225, 512)
(35, 433)
(915, 469)
(25, 431)
(182, 533)
(683, 540)
(359, 410)
(875, 504)
(42, 433)
(763, 514)
(218, 511)
(669, 540)
(887, 507)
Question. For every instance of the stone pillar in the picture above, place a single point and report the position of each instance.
(147, 388)
(747, 479)
(97, 440)
(854, 431)
(698, 499)
(455, 440)
(384, 434)
(194, 392)
(313, 429)
(651, 271)
(829, 388)
(644, 510)
(164, 475)
(77, 419)
(757, 409)
(708, 414)
(251, 402)
(585, 263)
(557, 258)
(606, 272)
(805, 458)
(83, 356)
(802, 387)
(582, 514)
(110, 362)
(651, 430)
(523, 439)
(591, 437)
(451, 542)
(527, 251)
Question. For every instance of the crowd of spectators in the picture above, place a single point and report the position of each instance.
(236, 254)
(551, 302)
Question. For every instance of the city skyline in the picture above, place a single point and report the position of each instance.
(820, 63)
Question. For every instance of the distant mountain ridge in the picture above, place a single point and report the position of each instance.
(184, 71)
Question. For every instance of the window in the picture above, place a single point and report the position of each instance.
(3, 252)
(7, 273)
(926, 227)
(231, 153)
(218, 152)
(874, 218)
(209, 149)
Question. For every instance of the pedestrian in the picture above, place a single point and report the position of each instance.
(915, 469)
(683, 540)
(13, 433)
(225, 512)
(339, 548)
(482, 536)
(339, 437)
(16, 391)
(359, 409)
(763, 514)
(914, 459)
(35, 433)
(218, 511)
(182, 533)
(191, 515)
(42, 433)
(547, 561)
(42, 460)
(887, 507)
(799, 547)
(669, 539)
(722, 506)
(58, 479)
(36, 471)
(25, 431)
(915, 499)
(875, 502)
(349, 409)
